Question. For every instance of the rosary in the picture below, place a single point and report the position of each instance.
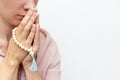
(33, 66)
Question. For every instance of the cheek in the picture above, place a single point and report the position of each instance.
(9, 4)
(11, 7)
(8, 10)
(6, 2)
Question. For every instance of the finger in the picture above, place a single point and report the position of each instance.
(31, 35)
(27, 28)
(37, 20)
(25, 20)
(36, 45)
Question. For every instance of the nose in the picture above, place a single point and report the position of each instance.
(29, 4)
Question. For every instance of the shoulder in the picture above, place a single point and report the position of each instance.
(48, 56)
(46, 41)
(48, 48)
(48, 44)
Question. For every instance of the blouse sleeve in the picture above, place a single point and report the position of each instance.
(53, 71)
(49, 58)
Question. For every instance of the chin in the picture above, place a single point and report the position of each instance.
(16, 22)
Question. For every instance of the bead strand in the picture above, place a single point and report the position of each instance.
(18, 43)
(33, 66)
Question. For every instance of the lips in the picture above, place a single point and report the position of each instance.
(21, 16)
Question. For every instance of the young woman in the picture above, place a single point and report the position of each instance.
(27, 52)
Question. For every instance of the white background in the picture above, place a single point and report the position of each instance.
(88, 36)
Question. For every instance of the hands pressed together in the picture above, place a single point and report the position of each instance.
(28, 34)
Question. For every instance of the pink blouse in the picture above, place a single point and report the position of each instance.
(48, 59)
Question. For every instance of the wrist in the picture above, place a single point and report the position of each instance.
(27, 62)
(26, 65)
(11, 61)
(10, 64)
(30, 63)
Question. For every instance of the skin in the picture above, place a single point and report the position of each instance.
(28, 33)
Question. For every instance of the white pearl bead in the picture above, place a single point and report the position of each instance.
(19, 44)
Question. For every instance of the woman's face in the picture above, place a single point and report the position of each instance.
(13, 11)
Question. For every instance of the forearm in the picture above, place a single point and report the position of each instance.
(31, 75)
(8, 70)
(15, 77)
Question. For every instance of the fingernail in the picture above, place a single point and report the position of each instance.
(34, 26)
(35, 9)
